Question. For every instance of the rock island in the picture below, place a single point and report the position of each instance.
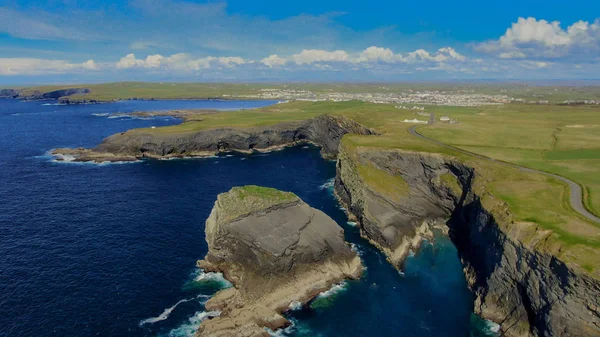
(277, 251)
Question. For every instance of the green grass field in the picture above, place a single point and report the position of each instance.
(560, 139)
(148, 90)
(540, 213)
(531, 208)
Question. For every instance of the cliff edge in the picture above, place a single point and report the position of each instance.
(519, 278)
(326, 131)
(276, 250)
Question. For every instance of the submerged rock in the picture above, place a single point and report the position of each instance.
(276, 250)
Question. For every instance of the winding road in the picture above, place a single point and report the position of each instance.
(575, 188)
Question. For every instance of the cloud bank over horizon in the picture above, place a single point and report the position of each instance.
(46, 44)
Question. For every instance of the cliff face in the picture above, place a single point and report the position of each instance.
(55, 94)
(276, 250)
(528, 293)
(10, 93)
(326, 131)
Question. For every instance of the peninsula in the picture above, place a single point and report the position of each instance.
(277, 251)
(530, 259)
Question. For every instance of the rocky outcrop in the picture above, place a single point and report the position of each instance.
(527, 292)
(325, 131)
(9, 93)
(276, 250)
(54, 94)
(395, 225)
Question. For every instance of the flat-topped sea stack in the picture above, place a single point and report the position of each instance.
(277, 251)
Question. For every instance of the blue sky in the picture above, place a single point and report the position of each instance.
(77, 41)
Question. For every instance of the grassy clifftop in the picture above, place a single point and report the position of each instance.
(240, 201)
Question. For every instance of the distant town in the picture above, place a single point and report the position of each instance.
(423, 97)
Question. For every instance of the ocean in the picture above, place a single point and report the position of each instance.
(110, 249)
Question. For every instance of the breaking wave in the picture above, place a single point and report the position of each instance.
(189, 328)
(334, 290)
(356, 248)
(295, 305)
(328, 184)
(352, 223)
(492, 326)
(296, 328)
(210, 280)
(165, 314)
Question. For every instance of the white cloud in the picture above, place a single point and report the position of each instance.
(370, 55)
(374, 54)
(532, 38)
(308, 56)
(442, 54)
(177, 62)
(512, 55)
(33, 66)
(273, 60)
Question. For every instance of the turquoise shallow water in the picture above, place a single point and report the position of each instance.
(110, 250)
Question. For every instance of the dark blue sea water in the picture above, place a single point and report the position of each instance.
(95, 250)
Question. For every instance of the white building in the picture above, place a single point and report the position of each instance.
(415, 121)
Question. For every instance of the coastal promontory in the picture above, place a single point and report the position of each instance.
(277, 251)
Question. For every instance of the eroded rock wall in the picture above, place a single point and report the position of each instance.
(276, 251)
(326, 131)
(528, 293)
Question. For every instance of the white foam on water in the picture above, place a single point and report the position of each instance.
(202, 276)
(328, 184)
(228, 155)
(189, 328)
(352, 223)
(295, 328)
(411, 253)
(67, 160)
(306, 147)
(119, 116)
(101, 114)
(48, 104)
(165, 314)
(64, 158)
(492, 326)
(342, 208)
(283, 332)
(295, 305)
(335, 289)
(356, 248)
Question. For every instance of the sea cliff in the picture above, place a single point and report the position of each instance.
(526, 290)
(520, 280)
(326, 131)
(277, 251)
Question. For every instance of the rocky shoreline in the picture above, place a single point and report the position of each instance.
(326, 131)
(277, 252)
(525, 291)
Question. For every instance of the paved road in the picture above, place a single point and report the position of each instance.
(574, 187)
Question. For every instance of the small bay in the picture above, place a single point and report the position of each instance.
(110, 250)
